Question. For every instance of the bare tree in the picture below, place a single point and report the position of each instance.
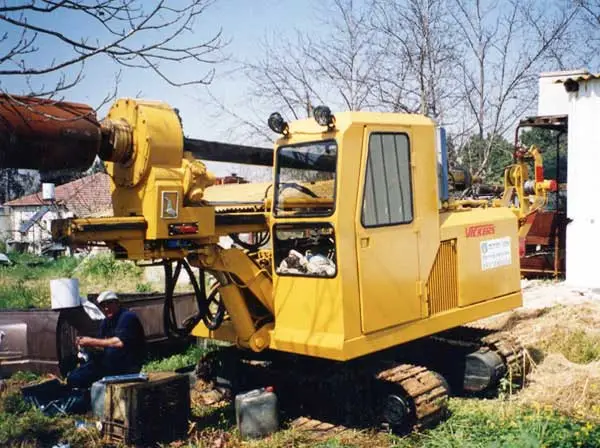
(417, 68)
(47, 46)
(502, 48)
(38, 44)
(284, 78)
(589, 36)
(335, 67)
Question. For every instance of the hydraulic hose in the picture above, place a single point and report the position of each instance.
(212, 319)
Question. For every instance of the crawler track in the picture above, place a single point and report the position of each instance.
(507, 347)
(328, 400)
(511, 351)
(426, 391)
(397, 390)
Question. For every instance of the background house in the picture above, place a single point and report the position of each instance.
(27, 220)
(29, 217)
(4, 224)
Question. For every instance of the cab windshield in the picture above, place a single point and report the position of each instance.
(305, 181)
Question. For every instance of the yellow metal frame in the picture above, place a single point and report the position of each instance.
(344, 317)
(323, 316)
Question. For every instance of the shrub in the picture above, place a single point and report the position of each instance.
(105, 265)
(190, 357)
(21, 296)
(143, 287)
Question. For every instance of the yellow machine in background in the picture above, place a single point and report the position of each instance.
(366, 250)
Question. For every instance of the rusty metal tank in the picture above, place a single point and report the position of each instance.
(47, 135)
(43, 340)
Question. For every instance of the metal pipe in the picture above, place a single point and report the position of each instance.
(225, 152)
(43, 134)
(54, 135)
(254, 155)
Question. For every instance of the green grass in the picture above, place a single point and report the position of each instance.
(104, 265)
(26, 284)
(19, 296)
(23, 426)
(473, 423)
(177, 361)
(29, 267)
(478, 423)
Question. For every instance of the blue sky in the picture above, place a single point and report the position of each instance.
(245, 23)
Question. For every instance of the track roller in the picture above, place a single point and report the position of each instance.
(483, 370)
(414, 397)
(487, 357)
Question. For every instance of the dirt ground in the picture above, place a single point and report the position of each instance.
(560, 326)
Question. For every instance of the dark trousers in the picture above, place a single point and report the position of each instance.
(84, 375)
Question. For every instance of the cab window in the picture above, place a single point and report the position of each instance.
(387, 198)
(305, 179)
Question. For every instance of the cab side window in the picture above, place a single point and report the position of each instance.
(387, 196)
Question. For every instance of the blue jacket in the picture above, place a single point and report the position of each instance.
(129, 359)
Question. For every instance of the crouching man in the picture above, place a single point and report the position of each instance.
(120, 347)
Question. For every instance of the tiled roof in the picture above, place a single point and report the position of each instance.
(84, 197)
(578, 78)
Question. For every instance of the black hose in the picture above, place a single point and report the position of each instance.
(212, 321)
(172, 330)
(251, 247)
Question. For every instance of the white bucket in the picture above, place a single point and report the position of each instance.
(48, 192)
(64, 293)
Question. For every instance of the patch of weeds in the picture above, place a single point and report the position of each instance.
(24, 376)
(576, 345)
(26, 283)
(335, 443)
(29, 266)
(22, 296)
(105, 265)
(34, 429)
(143, 287)
(190, 357)
(13, 403)
(477, 423)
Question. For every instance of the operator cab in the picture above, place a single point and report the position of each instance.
(353, 226)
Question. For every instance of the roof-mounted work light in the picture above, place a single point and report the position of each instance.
(278, 124)
(324, 117)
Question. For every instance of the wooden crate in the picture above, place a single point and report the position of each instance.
(148, 412)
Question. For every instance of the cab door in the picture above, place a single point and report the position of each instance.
(388, 264)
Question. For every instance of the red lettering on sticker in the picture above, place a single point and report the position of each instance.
(481, 230)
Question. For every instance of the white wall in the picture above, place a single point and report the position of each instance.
(583, 201)
(553, 100)
(4, 223)
(40, 232)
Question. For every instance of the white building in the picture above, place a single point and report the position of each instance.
(577, 94)
(4, 224)
(29, 217)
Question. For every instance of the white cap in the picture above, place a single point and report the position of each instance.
(106, 296)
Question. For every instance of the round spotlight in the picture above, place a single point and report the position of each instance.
(277, 124)
(324, 117)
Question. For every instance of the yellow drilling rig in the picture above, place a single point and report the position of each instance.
(352, 291)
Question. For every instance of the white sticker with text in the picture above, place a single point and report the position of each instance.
(495, 253)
